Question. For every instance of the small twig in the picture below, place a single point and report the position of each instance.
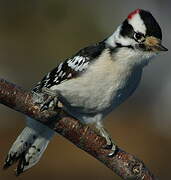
(123, 164)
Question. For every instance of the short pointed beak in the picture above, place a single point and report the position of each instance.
(159, 47)
(154, 44)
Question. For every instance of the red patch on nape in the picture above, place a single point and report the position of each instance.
(137, 11)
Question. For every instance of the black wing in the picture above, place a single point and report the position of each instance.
(71, 67)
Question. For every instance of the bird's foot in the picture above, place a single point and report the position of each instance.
(52, 100)
(109, 143)
(48, 99)
(49, 103)
(110, 146)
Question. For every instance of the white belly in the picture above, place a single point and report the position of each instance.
(98, 94)
(100, 89)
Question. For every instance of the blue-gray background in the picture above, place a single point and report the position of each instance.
(36, 34)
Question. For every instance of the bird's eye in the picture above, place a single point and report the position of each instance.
(139, 37)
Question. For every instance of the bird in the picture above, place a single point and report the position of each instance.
(91, 84)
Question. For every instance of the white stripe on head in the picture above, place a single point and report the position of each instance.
(137, 23)
(117, 38)
(135, 20)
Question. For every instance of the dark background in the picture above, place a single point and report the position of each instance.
(36, 34)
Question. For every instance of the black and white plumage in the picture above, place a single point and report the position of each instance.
(72, 67)
(92, 83)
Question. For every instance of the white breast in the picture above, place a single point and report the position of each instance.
(98, 89)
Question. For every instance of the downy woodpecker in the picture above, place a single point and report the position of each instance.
(92, 83)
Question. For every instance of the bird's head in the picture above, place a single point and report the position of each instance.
(139, 34)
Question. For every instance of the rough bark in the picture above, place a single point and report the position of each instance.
(125, 165)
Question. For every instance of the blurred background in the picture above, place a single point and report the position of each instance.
(36, 34)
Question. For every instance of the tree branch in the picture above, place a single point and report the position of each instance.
(123, 164)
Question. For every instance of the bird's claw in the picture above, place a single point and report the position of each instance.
(109, 143)
(10, 159)
(49, 103)
(47, 99)
(110, 146)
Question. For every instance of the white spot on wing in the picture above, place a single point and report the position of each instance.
(60, 74)
(69, 75)
(63, 74)
(84, 66)
(48, 75)
(59, 67)
(77, 63)
(56, 79)
(69, 61)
